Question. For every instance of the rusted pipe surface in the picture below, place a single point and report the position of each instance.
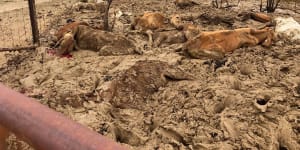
(46, 129)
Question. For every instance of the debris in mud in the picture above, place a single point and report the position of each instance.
(262, 103)
(133, 87)
(80, 6)
(185, 3)
(296, 90)
(207, 18)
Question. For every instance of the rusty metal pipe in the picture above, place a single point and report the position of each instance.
(46, 129)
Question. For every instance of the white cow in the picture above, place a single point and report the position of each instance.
(288, 29)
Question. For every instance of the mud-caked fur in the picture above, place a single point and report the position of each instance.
(106, 43)
(216, 44)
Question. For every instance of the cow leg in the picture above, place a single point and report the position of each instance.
(248, 41)
(270, 38)
(150, 37)
(248, 38)
(4, 133)
(66, 45)
(268, 41)
(160, 38)
(264, 36)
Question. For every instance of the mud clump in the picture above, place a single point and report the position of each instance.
(133, 87)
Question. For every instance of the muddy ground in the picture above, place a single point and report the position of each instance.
(162, 99)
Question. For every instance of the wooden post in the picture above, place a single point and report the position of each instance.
(33, 21)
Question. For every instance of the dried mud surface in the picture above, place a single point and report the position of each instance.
(163, 99)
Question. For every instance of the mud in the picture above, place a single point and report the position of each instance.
(163, 99)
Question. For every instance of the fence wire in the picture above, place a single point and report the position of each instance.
(50, 15)
(15, 26)
(15, 29)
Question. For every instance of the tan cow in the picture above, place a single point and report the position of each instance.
(161, 29)
(67, 28)
(190, 30)
(150, 20)
(216, 43)
(181, 33)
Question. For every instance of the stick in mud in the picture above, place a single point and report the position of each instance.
(18, 48)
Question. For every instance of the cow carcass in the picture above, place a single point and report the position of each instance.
(84, 37)
(161, 29)
(216, 44)
(288, 29)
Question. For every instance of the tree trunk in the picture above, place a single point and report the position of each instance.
(106, 16)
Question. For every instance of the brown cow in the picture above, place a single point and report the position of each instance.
(216, 43)
(164, 30)
(189, 30)
(180, 34)
(83, 37)
(261, 17)
(67, 28)
(151, 24)
(150, 20)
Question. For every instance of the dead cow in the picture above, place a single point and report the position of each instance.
(164, 30)
(190, 30)
(261, 17)
(83, 37)
(150, 21)
(288, 29)
(216, 43)
(180, 34)
(67, 28)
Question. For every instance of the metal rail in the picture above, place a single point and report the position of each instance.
(46, 129)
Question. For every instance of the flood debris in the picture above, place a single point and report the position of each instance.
(185, 3)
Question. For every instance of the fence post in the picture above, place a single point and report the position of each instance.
(33, 21)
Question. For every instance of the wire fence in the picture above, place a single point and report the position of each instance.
(17, 26)
(50, 14)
